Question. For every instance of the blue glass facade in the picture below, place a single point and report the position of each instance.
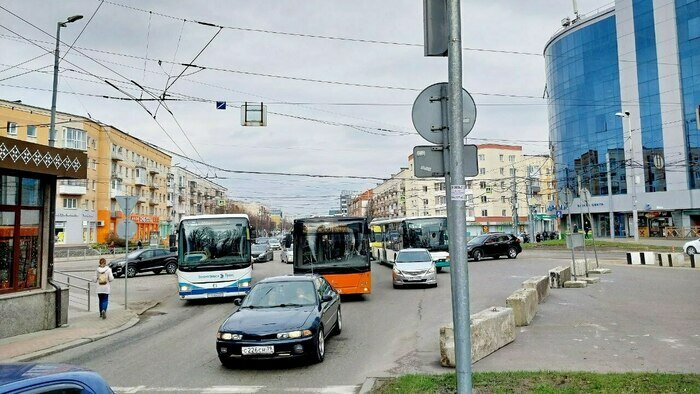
(688, 23)
(649, 98)
(583, 84)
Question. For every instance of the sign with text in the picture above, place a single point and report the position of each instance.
(428, 161)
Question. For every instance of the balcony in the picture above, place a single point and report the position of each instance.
(140, 181)
(78, 187)
(114, 213)
(114, 192)
(152, 202)
(153, 170)
(169, 204)
(117, 156)
(143, 200)
(154, 185)
(181, 198)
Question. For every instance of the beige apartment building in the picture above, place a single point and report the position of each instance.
(191, 194)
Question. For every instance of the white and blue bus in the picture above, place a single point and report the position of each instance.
(214, 256)
(429, 232)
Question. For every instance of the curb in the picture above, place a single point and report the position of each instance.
(368, 386)
(82, 341)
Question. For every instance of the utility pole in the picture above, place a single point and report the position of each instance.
(530, 216)
(610, 194)
(516, 224)
(52, 124)
(583, 225)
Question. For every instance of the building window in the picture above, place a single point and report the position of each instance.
(503, 171)
(511, 158)
(70, 203)
(503, 212)
(693, 28)
(484, 212)
(482, 171)
(31, 131)
(500, 157)
(503, 185)
(482, 185)
(425, 202)
(503, 199)
(468, 184)
(484, 199)
(74, 138)
(482, 157)
(11, 128)
(425, 189)
(511, 172)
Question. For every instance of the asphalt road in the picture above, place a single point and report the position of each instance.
(638, 318)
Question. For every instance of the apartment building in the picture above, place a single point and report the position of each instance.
(192, 194)
(118, 164)
(361, 204)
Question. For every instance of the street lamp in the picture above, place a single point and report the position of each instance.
(52, 126)
(626, 114)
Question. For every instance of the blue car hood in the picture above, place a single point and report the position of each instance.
(265, 321)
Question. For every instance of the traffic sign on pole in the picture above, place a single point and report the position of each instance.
(428, 117)
(126, 228)
(428, 161)
(126, 203)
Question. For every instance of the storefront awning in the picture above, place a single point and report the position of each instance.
(41, 159)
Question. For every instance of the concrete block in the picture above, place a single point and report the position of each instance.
(559, 275)
(580, 267)
(524, 305)
(491, 329)
(540, 284)
(643, 258)
(671, 260)
(591, 279)
(575, 284)
(600, 271)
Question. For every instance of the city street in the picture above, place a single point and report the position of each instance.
(638, 318)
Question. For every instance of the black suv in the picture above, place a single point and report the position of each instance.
(155, 260)
(494, 245)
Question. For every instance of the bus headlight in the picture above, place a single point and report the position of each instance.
(244, 284)
(227, 336)
(184, 288)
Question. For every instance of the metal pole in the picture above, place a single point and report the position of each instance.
(590, 218)
(530, 216)
(610, 198)
(457, 219)
(126, 261)
(634, 181)
(583, 226)
(516, 224)
(52, 125)
(446, 145)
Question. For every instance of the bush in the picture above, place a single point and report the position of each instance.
(118, 242)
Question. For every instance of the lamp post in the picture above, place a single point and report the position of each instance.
(52, 126)
(626, 114)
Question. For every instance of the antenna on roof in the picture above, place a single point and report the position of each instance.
(576, 14)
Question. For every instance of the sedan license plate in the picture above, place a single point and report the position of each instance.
(250, 350)
(412, 279)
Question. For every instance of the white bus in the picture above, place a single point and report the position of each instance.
(392, 235)
(214, 256)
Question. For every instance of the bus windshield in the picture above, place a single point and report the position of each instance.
(430, 234)
(214, 242)
(333, 244)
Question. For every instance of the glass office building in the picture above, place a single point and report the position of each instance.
(624, 90)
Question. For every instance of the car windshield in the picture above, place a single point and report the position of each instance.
(258, 248)
(413, 257)
(477, 240)
(213, 242)
(280, 294)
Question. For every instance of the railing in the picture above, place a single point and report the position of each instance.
(682, 232)
(81, 284)
(85, 253)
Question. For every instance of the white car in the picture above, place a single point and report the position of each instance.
(414, 267)
(692, 247)
(287, 255)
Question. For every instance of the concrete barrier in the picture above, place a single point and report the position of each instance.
(671, 259)
(559, 275)
(540, 284)
(575, 284)
(491, 329)
(524, 305)
(581, 267)
(643, 258)
(693, 263)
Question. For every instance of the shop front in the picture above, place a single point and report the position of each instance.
(29, 301)
(654, 223)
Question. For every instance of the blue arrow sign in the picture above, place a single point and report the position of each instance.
(221, 105)
(559, 214)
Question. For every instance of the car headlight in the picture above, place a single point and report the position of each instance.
(184, 288)
(227, 336)
(119, 263)
(244, 284)
(397, 271)
(431, 270)
(294, 334)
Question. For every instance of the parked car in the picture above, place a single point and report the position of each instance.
(261, 253)
(262, 240)
(414, 267)
(287, 255)
(281, 317)
(275, 244)
(691, 247)
(494, 245)
(50, 378)
(142, 260)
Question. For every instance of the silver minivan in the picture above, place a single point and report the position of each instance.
(414, 267)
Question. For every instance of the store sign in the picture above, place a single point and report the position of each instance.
(26, 156)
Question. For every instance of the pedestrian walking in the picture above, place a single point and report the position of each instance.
(111, 247)
(103, 275)
(139, 244)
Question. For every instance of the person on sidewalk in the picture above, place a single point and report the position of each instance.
(139, 244)
(103, 275)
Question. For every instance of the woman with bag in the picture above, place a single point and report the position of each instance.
(103, 275)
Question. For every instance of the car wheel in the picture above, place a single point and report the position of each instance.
(512, 253)
(171, 267)
(395, 285)
(158, 271)
(338, 325)
(691, 250)
(438, 269)
(227, 362)
(130, 272)
(477, 255)
(320, 345)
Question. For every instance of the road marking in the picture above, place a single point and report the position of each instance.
(237, 389)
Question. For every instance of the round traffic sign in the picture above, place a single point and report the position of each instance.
(122, 227)
(428, 117)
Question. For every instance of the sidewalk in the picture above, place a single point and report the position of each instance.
(83, 327)
(677, 242)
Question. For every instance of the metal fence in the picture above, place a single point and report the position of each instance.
(85, 253)
(682, 232)
(79, 288)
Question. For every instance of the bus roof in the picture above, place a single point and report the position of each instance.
(330, 219)
(395, 220)
(216, 216)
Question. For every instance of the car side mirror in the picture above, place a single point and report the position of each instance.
(327, 298)
(237, 301)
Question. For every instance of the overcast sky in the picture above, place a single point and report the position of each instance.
(334, 137)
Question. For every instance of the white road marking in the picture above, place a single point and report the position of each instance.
(237, 389)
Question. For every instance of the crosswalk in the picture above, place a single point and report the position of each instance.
(339, 389)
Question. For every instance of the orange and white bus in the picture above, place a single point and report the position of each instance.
(337, 248)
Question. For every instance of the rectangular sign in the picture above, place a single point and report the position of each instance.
(428, 161)
(458, 193)
(41, 159)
